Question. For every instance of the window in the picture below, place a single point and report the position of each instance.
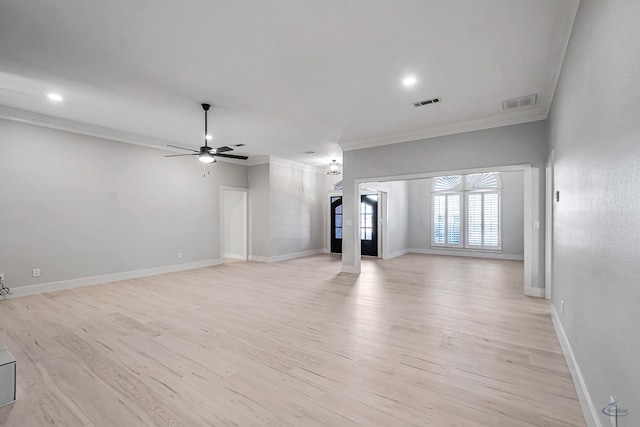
(337, 218)
(483, 220)
(446, 220)
(466, 211)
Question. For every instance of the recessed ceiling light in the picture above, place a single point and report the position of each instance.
(55, 97)
(208, 137)
(409, 81)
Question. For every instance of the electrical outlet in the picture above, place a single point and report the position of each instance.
(561, 306)
(536, 225)
(36, 272)
(179, 255)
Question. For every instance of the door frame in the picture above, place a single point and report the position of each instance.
(328, 231)
(383, 225)
(383, 237)
(365, 192)
(382, 218)
(245, 221)
(548, 229)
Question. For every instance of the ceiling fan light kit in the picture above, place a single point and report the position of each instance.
(206, 154)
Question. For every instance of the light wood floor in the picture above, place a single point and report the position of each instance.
(418, 340)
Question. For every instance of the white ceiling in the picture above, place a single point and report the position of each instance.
(284, 76)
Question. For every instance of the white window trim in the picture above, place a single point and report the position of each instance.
(464, 245)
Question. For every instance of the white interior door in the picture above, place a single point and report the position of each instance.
(234, 224)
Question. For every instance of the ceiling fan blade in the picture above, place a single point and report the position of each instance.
(220, 149)
(180, 155)
(232, 156)
(182, 148)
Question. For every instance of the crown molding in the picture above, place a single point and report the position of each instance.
(264, 160)
(43, 120)
(296, 165)
(258, 160)
(530, 115)
(51, 122)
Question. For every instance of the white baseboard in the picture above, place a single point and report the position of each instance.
(396, 254)
(234, 256)
(588, 409)
(107, 278)
(350, 269)
(285, 257)
(467, 253)
(534, 292)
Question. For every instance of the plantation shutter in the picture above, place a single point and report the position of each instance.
(491, 232)
(439, 220)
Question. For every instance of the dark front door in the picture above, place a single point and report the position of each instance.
(369, 224)
(336, 225)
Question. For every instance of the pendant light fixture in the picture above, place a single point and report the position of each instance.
(334, 168)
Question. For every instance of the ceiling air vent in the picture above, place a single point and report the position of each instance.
(427, 102)
(523, 101)
(308, 152)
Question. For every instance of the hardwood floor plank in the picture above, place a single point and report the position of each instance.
(420, 340)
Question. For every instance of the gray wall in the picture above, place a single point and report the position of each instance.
(595, 135)
(77, 206)
(298, 199)
(288, 208)
(519, 144)
(512, 199)
(398, 216)
(259, 244)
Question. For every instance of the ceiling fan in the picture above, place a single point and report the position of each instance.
(207, 154)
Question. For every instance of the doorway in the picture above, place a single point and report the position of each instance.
(369, 229)
(369, 225)
(336, 224)
(533, 262)
(233, 218)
